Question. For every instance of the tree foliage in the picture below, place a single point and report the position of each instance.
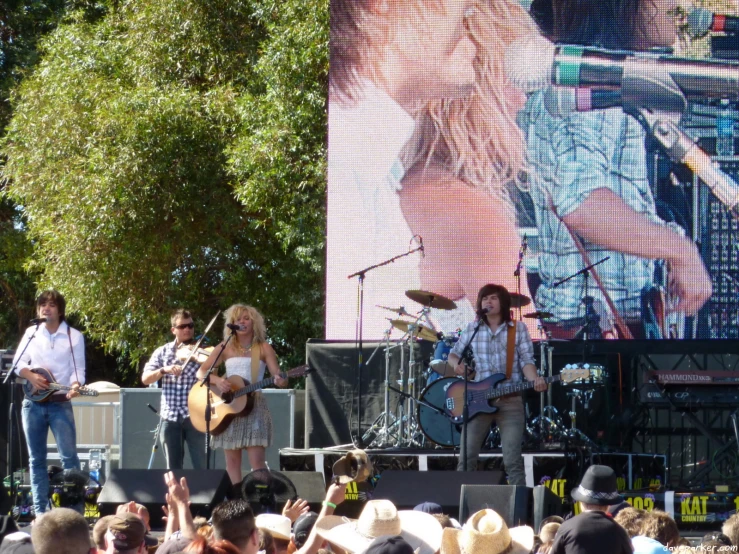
(171, 153)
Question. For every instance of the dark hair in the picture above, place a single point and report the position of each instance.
(503, 295)
(53, 296)
(233, 521)
(716, 536)
(602, 23)
(542, 12)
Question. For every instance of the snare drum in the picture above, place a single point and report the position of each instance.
(598, 376)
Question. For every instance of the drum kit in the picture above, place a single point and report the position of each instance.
(419, 420)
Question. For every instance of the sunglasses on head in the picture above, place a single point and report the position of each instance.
(190, 325)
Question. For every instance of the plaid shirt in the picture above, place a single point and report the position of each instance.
(174, 389)
(571, 157)
(490, 350)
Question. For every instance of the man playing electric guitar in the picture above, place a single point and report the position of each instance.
(60, 349)
(491, 349)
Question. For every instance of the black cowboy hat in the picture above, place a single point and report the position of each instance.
(598, 486)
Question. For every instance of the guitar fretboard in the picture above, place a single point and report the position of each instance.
(518, 387)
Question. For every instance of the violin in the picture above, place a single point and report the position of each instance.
(188, 353)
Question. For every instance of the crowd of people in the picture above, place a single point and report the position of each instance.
(605, 524)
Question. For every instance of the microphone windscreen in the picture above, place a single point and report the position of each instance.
(699, 22)
(529, 61)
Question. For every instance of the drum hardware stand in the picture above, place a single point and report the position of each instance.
(380, 428)
(411, 399)
(573, 432)
(360, 316)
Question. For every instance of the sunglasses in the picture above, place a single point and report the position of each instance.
(185, 326)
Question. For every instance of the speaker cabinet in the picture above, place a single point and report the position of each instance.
(513, 503)
(208, 488)
(311, 486)
(407, 489)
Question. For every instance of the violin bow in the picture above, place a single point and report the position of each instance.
(200, 340)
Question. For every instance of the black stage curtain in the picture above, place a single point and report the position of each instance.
(331, 406)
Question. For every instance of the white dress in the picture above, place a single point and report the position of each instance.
(254, 429)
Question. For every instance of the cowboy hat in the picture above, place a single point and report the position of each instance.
(278, 525)
(598, 486)
(379, 518)
(354, 466)
(486, 532)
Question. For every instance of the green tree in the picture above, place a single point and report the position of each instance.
(172, 154)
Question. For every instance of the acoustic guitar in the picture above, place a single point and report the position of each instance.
(482, 395)
(238, 402)
(39, 395)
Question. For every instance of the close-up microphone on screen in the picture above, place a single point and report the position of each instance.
(534, 62)
(702, 21)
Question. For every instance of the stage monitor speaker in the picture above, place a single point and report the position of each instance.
(407, 489)
(512, 502)
(311, 486)
(208, 488)
(546, 504)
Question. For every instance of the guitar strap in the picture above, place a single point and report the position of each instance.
(510, 347)
(256, 357)
(71, 351)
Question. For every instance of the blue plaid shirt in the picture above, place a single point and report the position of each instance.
(571, 157)
(490, 350)
(174, 388)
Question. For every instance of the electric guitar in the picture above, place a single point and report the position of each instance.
(238, 402)
(482, 394)
(39, 395)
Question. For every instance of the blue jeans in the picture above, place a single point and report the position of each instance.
(38, 418)
(174, 436)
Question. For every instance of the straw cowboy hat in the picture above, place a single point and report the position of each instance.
(486, 532)
(354, 466)
(598, 486)
(379, 518)
(278, 525)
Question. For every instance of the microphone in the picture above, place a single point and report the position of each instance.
(420, 245)
(482, 311)
(702, 21)
(38, 321)
(153, 409)
(534, 62)
(234, 326)
(562, 101)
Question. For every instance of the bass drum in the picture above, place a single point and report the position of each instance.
(438, 427)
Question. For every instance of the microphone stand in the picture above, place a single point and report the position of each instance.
(517, 272)
(155, 447)
(358, 441)
(466, 410)
(11, 414)
(205, 382)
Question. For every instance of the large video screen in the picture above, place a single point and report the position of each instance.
(519, 143)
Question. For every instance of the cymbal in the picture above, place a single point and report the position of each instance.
(442, 367)
(539, 315)
(399, 311)
(518, 300)
(431, 299)
(421, 331)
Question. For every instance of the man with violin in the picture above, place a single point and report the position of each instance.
(52, 348)
(500, 346)
(176, 382)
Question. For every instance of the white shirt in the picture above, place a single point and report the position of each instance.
(51, 351)
(365, 222)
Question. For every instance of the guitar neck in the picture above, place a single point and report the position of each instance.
(518, 387)
(258, 385)
(83, 391)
